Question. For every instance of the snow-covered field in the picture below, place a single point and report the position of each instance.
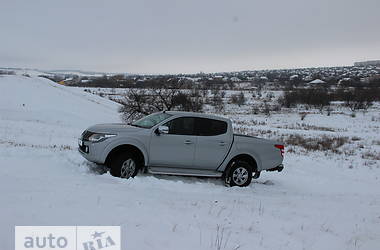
(322, 200)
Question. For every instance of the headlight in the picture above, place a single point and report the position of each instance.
(97, 137)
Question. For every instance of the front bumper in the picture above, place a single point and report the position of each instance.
(92, 151)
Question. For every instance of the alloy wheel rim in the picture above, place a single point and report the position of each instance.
(127, 168)
(240, 175)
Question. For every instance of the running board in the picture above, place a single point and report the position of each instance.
(184, 172)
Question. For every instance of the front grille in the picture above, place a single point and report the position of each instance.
(86, 134)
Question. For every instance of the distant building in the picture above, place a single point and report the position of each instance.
(235, 79)
(344, 80)
(293, 77)
(243, 85)
(317, 81)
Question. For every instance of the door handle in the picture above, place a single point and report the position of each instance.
(222, 143)
(188, 142)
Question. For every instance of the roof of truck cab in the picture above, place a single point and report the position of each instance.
(202, 115)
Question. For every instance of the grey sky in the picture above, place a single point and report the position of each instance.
(167, 36)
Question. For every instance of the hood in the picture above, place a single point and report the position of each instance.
(114, 128)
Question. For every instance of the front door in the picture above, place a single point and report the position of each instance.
(177, 148)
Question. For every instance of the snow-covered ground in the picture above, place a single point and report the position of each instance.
(322, 200)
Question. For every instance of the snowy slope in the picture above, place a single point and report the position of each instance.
(32, 107)
(37, 72)
(314, 204)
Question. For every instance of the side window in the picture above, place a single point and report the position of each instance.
(181, 126)
(210, 127)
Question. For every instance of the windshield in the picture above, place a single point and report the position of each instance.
(151, 120)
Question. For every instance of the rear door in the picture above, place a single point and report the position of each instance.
(177, 148)
(213, 143)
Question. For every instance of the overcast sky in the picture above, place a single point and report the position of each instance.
(167, 36)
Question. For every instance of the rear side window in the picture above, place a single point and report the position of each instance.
(210, 127)
(181, 126)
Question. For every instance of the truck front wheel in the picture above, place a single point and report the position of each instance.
(124, 165)
(239, 174)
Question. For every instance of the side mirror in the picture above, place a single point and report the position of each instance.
(162, 130)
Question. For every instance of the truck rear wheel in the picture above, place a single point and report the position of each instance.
(239, 174)
(124, 165)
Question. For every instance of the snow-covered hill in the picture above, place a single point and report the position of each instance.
(315, 203)
(38, 72)
(31, 107)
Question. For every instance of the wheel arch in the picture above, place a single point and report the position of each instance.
(126, 148)
(242, 157)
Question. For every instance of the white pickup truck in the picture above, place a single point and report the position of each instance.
(181, 143)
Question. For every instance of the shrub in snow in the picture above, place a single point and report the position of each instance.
(323, 143)
(238, 99)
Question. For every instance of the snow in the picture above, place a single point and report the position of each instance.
(56, 73)
(25, 71)
(37, 72)
(320, 201)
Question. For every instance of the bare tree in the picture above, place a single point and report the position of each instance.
(140, 102)
(217, 101)
(238, 99)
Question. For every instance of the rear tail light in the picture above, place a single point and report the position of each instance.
(281, 148)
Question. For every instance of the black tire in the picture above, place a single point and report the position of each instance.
(122, 165)
(239, 174)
